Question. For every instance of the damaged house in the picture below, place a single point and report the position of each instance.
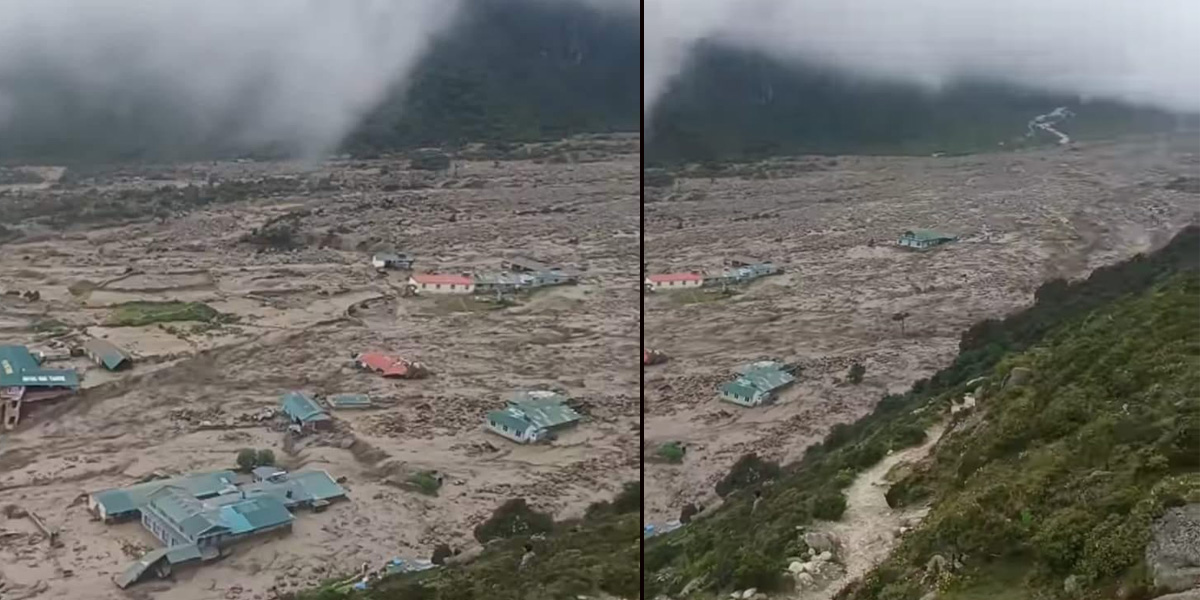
(23, 380)
(107, 354)
(532, 417)
(197, 517)
(304, 412)
(757, 383)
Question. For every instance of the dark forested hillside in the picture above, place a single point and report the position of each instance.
(734, 105)
(509, 70)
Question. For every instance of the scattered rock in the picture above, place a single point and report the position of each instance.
(1071, 586)
(1174, 552)
(749, 593)
(825, 556)
(821, 542)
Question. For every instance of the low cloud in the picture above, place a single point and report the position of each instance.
(1145, 52)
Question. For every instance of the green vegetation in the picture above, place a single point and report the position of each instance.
(1114, 414)
(597, 554)
(671, 452)
(855, 376)
(430, 161)
(1062, 476)
(425, 482)
(135, 314)
(514, 518)
(249, 458)
(53, 326)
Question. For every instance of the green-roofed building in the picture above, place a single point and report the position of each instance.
(757, 383)
(349, 401)
(124, 503)
(107, 354)
(532, 416)
(19, 368)
(305, 411)
(922, 239)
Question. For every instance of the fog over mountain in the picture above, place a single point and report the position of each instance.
(1144, 52)
(296, 75)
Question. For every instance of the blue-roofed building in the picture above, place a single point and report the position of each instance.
(125, 503)
(24, 380)
(197, 516)
(532, 416)
(757, 383)
(304, 411)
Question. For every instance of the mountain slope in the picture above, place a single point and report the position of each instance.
(735, 105)
(746, 542)
(509, 70)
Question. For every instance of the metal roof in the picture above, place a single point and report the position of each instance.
(254, 514)
(305, 487)
(302, 408)
(668, 277)
(767, 380)
(18, 368)
(349, 401)
(927, 235)
(746, 260)
(388, 366)
(112, 356)
(528, 264)
(117, 501)
(183, 510)
(543, 408)
(441, 279)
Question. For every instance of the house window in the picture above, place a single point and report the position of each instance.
(438, 286)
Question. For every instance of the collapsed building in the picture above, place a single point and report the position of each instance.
(24, 380)
(198, 516)
(736, 270)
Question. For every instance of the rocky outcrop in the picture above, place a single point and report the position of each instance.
(1174, 553)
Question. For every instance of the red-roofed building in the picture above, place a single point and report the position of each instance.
(433, 283)
(676, 281)
(389, 366)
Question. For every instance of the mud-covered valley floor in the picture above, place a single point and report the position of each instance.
(190, 400)
(831, 223)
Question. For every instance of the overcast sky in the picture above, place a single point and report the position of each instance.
(1145, 51)
(298, 71)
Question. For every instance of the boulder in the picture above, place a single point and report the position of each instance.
(1173, 554)
(805, 580)
(749, 593)
(796, 567)
(1192, 594)
(820, 542)
(1017, 376)
(825, 556)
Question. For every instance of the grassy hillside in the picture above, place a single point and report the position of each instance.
(742, 546)
(733, 105)
(597, 556)
(1062, 476)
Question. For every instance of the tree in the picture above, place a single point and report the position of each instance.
(512, 519)
(247, 458)
(856, 373)
(265, 458)
(900, 317)
(440, 554)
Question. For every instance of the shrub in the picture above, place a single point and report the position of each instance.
(512, 519)
(247, 459)
(856, 373)
(828, 505)
(671, 452)
(425, 482)
(440, 554)
(136, 314)
(748, 471)
(265, 458)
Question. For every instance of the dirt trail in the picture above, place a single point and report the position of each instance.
(867, 527)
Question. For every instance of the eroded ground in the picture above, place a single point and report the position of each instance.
(1024, 217)
(189, 402)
